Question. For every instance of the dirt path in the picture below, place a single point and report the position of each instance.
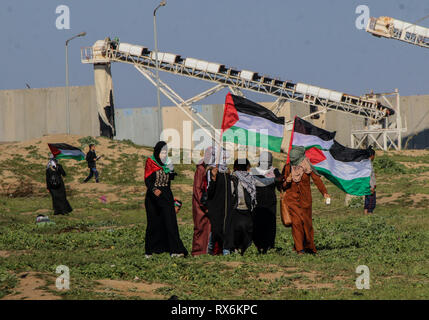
(29, 288)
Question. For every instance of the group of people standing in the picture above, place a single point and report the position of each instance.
(231, 210)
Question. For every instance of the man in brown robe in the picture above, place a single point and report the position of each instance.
(202, 226)
(299, 200)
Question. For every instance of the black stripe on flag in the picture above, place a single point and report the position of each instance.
(307, 128)
(251, 108)
(63, 146)
(345, 154)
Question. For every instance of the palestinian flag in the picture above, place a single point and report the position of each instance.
(248, 123)
(66, 151)
(151, 166)
(349, 169)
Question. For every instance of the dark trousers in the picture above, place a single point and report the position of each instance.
(92, 171)
(370, 202)
(242, 225)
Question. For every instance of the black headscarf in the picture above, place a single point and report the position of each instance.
(157, 150)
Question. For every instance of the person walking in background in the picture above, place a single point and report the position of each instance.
(202, 226)
(370, 200)
(264, 216)
(299, 200)
(91, 158)
(56, 187)
(243, 203)
(162, 231)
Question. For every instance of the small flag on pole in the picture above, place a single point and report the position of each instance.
(66, 151)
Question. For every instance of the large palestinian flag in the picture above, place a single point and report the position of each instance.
(248, 123)
(66, 151)
(349, 169)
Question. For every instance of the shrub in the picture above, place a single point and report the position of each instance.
(22, 190)
(130, 143)
(86, 141)
(7, 282)
(356, 202)
(385, 164)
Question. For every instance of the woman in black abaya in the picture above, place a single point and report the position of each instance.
(56, 187)
(162, 232)
(267, 177)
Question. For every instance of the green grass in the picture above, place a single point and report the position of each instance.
(106, 241)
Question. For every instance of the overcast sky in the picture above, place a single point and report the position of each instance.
(310, 41)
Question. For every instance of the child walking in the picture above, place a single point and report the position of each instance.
(91, 158)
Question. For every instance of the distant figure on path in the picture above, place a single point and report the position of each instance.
(91, 158)
(56, 187)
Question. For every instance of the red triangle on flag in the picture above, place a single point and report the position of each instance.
(230, 115)
(315, 155)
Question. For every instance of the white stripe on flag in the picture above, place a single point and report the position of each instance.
(253, 123)
(306, 140)
(71, 152)
(345, 170)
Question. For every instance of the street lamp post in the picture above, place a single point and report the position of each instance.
(162, 4)
(82, 34)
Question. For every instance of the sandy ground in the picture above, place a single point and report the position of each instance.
(130, 289)
(8, 149)
(9, 181)
(299, 279)
(408, 153)
(29, 288)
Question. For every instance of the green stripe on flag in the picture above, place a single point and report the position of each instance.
(318, 146)
(252, 138)
(356, 187)
(62, 156)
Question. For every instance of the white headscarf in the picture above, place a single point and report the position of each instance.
(264, 173)
(211, 158)
(52, 163)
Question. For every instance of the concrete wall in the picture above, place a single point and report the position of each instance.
(139, 125)
(32, 113)
(415, 112)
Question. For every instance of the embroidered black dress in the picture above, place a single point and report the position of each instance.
(162, 232)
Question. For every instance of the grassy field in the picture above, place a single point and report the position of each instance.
(103, 243)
